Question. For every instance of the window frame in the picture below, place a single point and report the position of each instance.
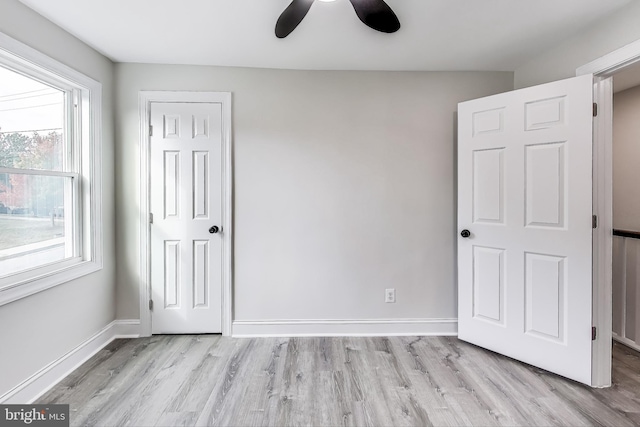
(86, 125)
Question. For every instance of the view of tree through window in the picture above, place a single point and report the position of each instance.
(34, 189)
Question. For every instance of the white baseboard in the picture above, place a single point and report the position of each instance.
(626, 341)
(127, 328)
(333, 328)
(43, 380)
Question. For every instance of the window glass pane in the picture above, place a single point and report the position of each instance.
(32, 117)
(34, 229)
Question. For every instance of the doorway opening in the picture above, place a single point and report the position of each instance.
(626, 207)
(621, 66)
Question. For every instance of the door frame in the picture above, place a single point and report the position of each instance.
(603, 69)
(146, 98)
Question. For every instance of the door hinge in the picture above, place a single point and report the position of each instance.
(594, 221)
(151, 130)
(595, 109)
(593, 333)
(151, 304)
(150, 218)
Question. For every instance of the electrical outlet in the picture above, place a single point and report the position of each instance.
(389, 295)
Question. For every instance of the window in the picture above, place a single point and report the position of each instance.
(50, 224)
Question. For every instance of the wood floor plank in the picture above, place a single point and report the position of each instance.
(96, 375)
(585, 401)
(128, 405)
(362, 383)
(426, 386)
(176, 419)
(226, 391)
(177, 378)
(456, 386)
(396, 385)
(259, 384)
(121, 382)
(346, 381)
(274, 369)
(510, 389)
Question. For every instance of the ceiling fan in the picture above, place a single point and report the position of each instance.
(373, 13)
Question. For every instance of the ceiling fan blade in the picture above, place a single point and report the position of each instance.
(377, 15)
(291, 17)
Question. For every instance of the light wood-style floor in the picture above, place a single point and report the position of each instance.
(398, 381)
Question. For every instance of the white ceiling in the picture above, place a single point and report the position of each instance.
(435, 34)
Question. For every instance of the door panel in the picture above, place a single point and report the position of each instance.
(488, 284)
(201, 273)
(488, 186)
(172, 276)
(171, 184)
(186, 189)
(545, 183)
(524, 192)
(200, 181)
(545, 285)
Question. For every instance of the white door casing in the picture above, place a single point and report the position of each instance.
(525, 194)
(186, 190)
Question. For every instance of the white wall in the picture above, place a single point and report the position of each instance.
(610, 33)
(37, 330)
(626, 158)
(344, 186)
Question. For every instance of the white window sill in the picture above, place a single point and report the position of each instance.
(65, 272)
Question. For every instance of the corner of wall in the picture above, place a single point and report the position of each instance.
(561, 60)
(42, 381)
(46, 325)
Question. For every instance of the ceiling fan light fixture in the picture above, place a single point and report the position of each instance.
(375, 14)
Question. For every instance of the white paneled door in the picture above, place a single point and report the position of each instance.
(525, 224)
(186, 234)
